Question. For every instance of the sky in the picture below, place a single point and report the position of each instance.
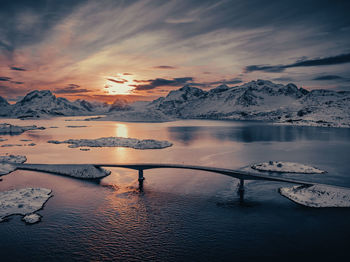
(101, 50)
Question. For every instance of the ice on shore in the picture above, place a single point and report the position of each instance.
(82, 171)
(32, 218)
(115, 142)
(5, 163)
(8, 129)
(23, 202)
(286, 167)
(18, 159)
(317, 195)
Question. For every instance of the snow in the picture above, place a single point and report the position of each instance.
(23, 201)
(8, 129)
(318, 195)
(115, 142)
(13, 159)
(5, 163)
(286, 167)
(6, 168)
(83, 171)
(256, 100)
(11, 145)
(32, 218)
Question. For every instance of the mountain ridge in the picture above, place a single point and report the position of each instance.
(255, 100)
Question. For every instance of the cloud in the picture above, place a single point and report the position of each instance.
(164, 67)
(5, 78)
(9, 91)
(17, 68)
(71, 89)
(283, 79)
(154, 83)
(127, 74)
(121, 81)
(180, 20)
(17, 82)
(327, 77)
(232, 81)
(331, 60)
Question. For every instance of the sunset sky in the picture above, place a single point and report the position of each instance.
(98, 49)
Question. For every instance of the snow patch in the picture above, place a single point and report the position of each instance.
(83, 171)
(5, 163)
(286, 167)
(18, 159)
(115, 142)
(32, 218)
(317, 195)
(11, 145)
(23, 202)
(6, 168)
(8, 129)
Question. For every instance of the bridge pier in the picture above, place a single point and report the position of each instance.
(241, 190)
(141, 179)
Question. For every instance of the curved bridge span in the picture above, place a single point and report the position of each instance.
(238, 174)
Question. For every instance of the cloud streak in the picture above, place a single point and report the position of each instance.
(159, 82)
(71, 89)
(332, 60)
(17, 68)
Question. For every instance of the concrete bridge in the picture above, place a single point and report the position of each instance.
(238, 174)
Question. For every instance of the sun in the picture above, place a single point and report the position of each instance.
(120, 84)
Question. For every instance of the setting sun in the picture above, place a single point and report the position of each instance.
(120, 84)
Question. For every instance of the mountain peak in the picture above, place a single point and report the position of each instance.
(3, 102)
(37, 94)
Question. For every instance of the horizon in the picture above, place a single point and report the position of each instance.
(154, 47)
(133, 98)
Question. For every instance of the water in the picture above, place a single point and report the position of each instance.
(182, 215)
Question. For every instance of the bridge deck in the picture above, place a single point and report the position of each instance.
(242, 175)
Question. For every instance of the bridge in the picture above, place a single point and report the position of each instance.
(238, 174)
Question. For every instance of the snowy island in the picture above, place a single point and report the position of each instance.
(23, 202)
(286, 167)
(115, 142)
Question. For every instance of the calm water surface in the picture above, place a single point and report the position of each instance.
(182, 215)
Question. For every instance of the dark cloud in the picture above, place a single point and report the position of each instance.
(71, 89)
(164, 67)
(127, 74)
(121, 81)
(283, 79)
(17, 82)
(328, 77)
(9, 92)
(17, 68)
(5, 78)
(154, 83)
(232, 81)
(331, 60)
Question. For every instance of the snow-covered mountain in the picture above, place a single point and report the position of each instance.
(44, 103)
(4, 107)
(256, 100)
